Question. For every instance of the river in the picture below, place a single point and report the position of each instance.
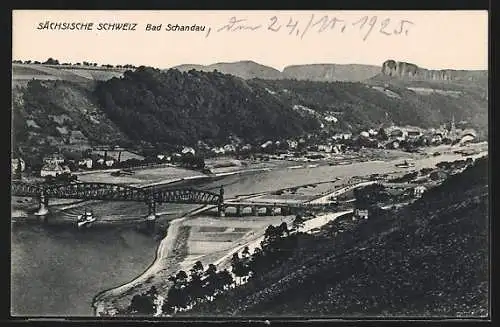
(56, 269)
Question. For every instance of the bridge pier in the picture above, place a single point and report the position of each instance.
(269, 211)
(43, 207)
(221, 210)
(238, 211)
(255, 211)
(151, 217)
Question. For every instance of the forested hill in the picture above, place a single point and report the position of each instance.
(182, 108)
(429, 259)
(358, 105)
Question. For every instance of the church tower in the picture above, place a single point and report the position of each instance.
(453, 132)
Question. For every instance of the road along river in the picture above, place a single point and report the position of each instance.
(57, 270)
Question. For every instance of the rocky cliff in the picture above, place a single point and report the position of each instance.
(331, 72)
(411, 71)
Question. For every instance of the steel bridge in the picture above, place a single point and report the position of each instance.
(114, 192)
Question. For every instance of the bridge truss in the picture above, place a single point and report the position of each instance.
(114, 192)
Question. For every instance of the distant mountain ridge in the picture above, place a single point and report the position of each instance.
(339, 72)
(314, 72)
(245, 69)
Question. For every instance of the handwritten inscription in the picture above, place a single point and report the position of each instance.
(322, 24)
(365, 25)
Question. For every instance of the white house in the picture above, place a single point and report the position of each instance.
(331, 118)
(188, 149)
(109, 162)
(364, 134)
(87, 162)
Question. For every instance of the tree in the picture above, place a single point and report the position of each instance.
(51, 61)
(195, 287)
(270, 236)
(382, 135)
(283, 230)
(143, 304)
(178, 295)
(298, 223)
(237, 266)
(224, 280)
(210, 284)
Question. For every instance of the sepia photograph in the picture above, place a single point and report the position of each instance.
(177, 164)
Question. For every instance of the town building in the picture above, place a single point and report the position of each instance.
(292, 144)
(361, 213)
(86, 162)
(325, 148)
(419, 190)
(413, 134)
(246, 147)
(218, 150)
(187, 149)
(266, 144)
(229, 148)
(17, 164)
(54, 158)
(109, 162)
(53, 169)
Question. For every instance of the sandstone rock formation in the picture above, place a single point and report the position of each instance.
(411, 71)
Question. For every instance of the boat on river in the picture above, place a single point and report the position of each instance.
(85, 219)
(405, 164)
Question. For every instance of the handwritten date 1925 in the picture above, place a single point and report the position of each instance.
(365, 25)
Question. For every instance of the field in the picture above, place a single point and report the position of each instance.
(25, 72)
(141, 177)
(211, 237)
(125, 155)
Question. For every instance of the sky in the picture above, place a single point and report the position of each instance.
(429, 39)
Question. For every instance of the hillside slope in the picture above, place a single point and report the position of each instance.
(53, 114)
(362, 105)
(428, 259)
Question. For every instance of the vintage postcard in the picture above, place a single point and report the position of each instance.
(323, 164)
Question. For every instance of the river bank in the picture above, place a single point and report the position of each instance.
(202, 246)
